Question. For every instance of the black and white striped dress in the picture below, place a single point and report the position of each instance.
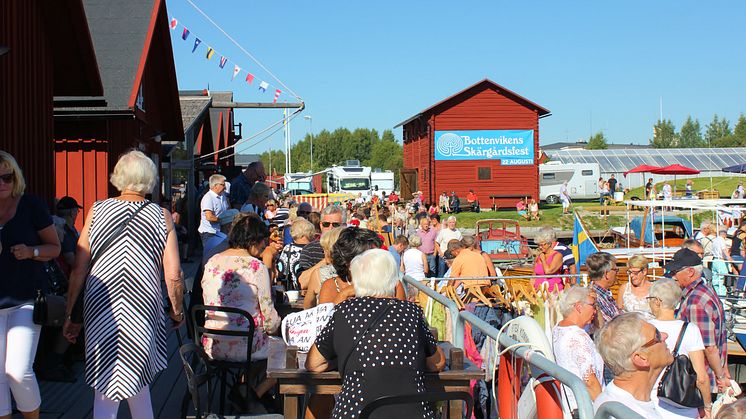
(125, 339)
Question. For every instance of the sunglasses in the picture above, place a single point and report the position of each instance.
(658, 338)
(327, 224)
(8, 178)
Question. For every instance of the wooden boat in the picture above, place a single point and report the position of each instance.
(657, 231)
(502, 240)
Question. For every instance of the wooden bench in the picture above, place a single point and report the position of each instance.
(495, 207)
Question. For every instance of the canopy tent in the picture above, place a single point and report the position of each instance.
(738, 168)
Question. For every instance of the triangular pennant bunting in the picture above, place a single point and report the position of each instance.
(223, 60)
(277, 95)
(236, 70)
(210, 53)
(263, 86)
(174, 23)
(197, 41)
(249, 78)
(185, 34)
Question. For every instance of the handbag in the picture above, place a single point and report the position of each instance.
(678, 384)
(49, 309)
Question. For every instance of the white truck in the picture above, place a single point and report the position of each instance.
(382, 182)
(350, 178)
(582, 180)
(299, 181)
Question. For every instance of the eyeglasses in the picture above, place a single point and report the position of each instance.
(634, 272)
(8, 178)
(327, 224)
(658, 338)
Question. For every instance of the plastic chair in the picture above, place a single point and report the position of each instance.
(370, 408)
(222, 368)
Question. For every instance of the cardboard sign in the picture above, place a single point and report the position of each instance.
(300, 329)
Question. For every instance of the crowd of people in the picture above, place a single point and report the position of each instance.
(350, 254)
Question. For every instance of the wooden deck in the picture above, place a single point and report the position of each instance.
(75, 400)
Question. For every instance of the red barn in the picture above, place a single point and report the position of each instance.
(485, 138)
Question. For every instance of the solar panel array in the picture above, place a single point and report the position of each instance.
(621, 160)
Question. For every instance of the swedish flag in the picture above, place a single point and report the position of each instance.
(582, 242)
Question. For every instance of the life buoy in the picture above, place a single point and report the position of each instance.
(546, 389)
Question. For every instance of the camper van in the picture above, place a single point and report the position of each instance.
(582, 180)
(382, 182)
(349, 178)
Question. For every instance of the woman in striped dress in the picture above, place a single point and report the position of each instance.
(125, 333)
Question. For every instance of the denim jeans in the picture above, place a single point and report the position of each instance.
(432, 265)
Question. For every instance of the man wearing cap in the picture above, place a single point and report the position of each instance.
(68, 209)
(701, 306)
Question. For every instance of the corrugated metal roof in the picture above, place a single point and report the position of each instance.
(486, 83)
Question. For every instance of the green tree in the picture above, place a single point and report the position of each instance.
(278, 161)
(597, 142)
(664, 135)
(387, 154)
(691, 134)
(717, 132)
(739, 132)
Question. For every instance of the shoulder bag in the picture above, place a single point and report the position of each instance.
(49, 309)
(678, 385)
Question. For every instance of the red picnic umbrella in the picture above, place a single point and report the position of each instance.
(675, 169)
(643, 168)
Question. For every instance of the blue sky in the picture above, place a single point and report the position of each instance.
(594, 64)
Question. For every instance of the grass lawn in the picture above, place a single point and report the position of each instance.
(551, 215)
(723, 184)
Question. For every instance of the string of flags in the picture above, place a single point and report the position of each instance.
(263, 86)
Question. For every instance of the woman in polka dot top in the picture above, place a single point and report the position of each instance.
(381, 345)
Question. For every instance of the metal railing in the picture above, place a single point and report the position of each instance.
(616, 410)
(534, 358)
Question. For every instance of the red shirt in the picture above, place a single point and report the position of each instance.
(471, 197)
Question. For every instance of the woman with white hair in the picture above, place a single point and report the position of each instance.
(665, 295)
(573, 348)
(382, 345)
(413, 261)
(125, 340)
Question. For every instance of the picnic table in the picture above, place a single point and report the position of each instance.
(286, 365)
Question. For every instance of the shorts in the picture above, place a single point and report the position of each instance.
(523, 213)
(565, 204)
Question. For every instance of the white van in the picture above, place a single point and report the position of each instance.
(582, 180)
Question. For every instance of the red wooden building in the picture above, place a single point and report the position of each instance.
(485, 138)
(139, 107)
(45, 51)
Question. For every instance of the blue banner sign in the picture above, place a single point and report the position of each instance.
(511, 147)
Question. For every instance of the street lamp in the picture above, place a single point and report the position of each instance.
(309, 118)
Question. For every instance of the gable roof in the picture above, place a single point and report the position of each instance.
(118, 30)
(192, 108)
(481, 85)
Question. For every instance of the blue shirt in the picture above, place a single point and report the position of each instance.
(397, 256)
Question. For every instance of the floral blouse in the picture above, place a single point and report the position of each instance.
(241, 282)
